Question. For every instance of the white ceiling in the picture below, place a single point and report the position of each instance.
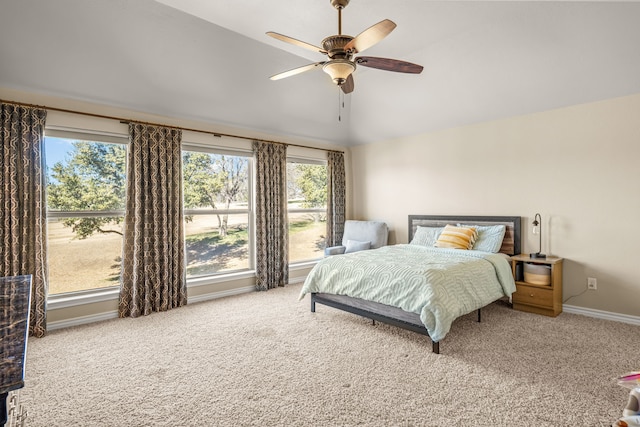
(209, 60)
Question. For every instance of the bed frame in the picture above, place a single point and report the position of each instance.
(411, 321)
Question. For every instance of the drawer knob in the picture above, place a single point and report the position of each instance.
(531, 295)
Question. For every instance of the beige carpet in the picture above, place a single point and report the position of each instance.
(262, 359)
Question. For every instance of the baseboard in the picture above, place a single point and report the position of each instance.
(221, 294)
(600, 314)
(82, 320)
(98, 317)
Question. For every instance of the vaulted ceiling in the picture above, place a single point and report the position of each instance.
(210, 60)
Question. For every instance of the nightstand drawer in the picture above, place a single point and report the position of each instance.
(533, 295)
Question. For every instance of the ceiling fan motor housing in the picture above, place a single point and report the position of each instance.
(334, 46)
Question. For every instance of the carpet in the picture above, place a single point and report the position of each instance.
(263, 359)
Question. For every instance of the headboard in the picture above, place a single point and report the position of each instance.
(510, 243)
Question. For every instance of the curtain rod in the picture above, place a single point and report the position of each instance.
(127, 121)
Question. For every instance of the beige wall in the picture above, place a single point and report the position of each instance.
(576, 166)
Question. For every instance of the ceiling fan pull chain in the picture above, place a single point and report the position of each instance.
(339, 109)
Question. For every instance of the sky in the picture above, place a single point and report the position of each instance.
(56, 149)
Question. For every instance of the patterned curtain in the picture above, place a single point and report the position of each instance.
(23, 217)
(336, 197)
(272, 228)
(153, 266)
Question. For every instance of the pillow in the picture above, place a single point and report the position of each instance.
(489, 237)
(457, 237)
(355, 246)
(426, 236)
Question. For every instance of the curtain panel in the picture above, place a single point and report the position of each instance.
(336, 197)
(153, 262)
(272, 225)
(23, 217)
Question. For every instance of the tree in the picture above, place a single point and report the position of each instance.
(212, 179)
(312, 181)
(92, 178)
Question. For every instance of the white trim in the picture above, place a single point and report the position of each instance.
(221, 294)
(297, 280)
(194, 282)
(64, 132)
(308, 160)
(600, 314)
(73, 299)
(200, 147)
(82, 320)
(301, 265)
(98, 317)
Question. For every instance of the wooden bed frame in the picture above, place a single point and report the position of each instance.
(411, 321)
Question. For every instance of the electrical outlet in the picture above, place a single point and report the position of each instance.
(592, 283)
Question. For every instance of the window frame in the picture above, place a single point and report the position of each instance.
(308, 161)
(207, 279)
(92, 294)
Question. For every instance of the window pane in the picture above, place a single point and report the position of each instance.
(213, 247)
(78, 264)
(85, 175)
(216, 243)
(307, 200)
(215, 181)
(306, 236)
(84, 251)
(306, 185)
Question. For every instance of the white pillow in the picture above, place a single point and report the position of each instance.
(426, 236)
(355, 246)
(489, 237)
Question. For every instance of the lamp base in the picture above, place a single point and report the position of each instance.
(537, 255)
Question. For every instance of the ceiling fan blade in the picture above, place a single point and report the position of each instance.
(389, 64)
(348, 86)
(296, 42)
(295, 71)
(371, 36)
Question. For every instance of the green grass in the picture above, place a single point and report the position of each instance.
(298, 226)
(234, 237)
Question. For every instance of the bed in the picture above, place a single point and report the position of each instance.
(431, 286)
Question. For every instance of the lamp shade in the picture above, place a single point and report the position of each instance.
(537, 229)
(339, 70)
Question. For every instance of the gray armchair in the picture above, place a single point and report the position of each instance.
(360, 235)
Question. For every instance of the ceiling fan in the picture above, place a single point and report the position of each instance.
(340, 50)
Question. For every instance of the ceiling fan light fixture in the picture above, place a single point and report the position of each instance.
(339, 70)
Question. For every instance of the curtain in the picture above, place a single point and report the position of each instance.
(23, 217)
(153, 262)
(336, 197)
(272, 227)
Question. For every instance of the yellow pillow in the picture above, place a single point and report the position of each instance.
(457, 237)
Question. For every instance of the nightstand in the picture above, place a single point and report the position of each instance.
(537, 298)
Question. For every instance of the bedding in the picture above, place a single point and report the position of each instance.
(457, 237)
(426, 236)
(438, 284)
(489, 237)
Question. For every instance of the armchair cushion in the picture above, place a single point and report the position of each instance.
(334, 250)
(360, 235)
(355, 246)
(375, 232)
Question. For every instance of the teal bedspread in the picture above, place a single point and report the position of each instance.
(438, 284)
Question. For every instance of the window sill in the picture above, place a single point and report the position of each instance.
(73, 299)
(90, 296)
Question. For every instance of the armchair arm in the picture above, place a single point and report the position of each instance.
(334, 250)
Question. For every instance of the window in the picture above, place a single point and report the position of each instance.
(307, 201)
(217, 211)
(85, 210)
